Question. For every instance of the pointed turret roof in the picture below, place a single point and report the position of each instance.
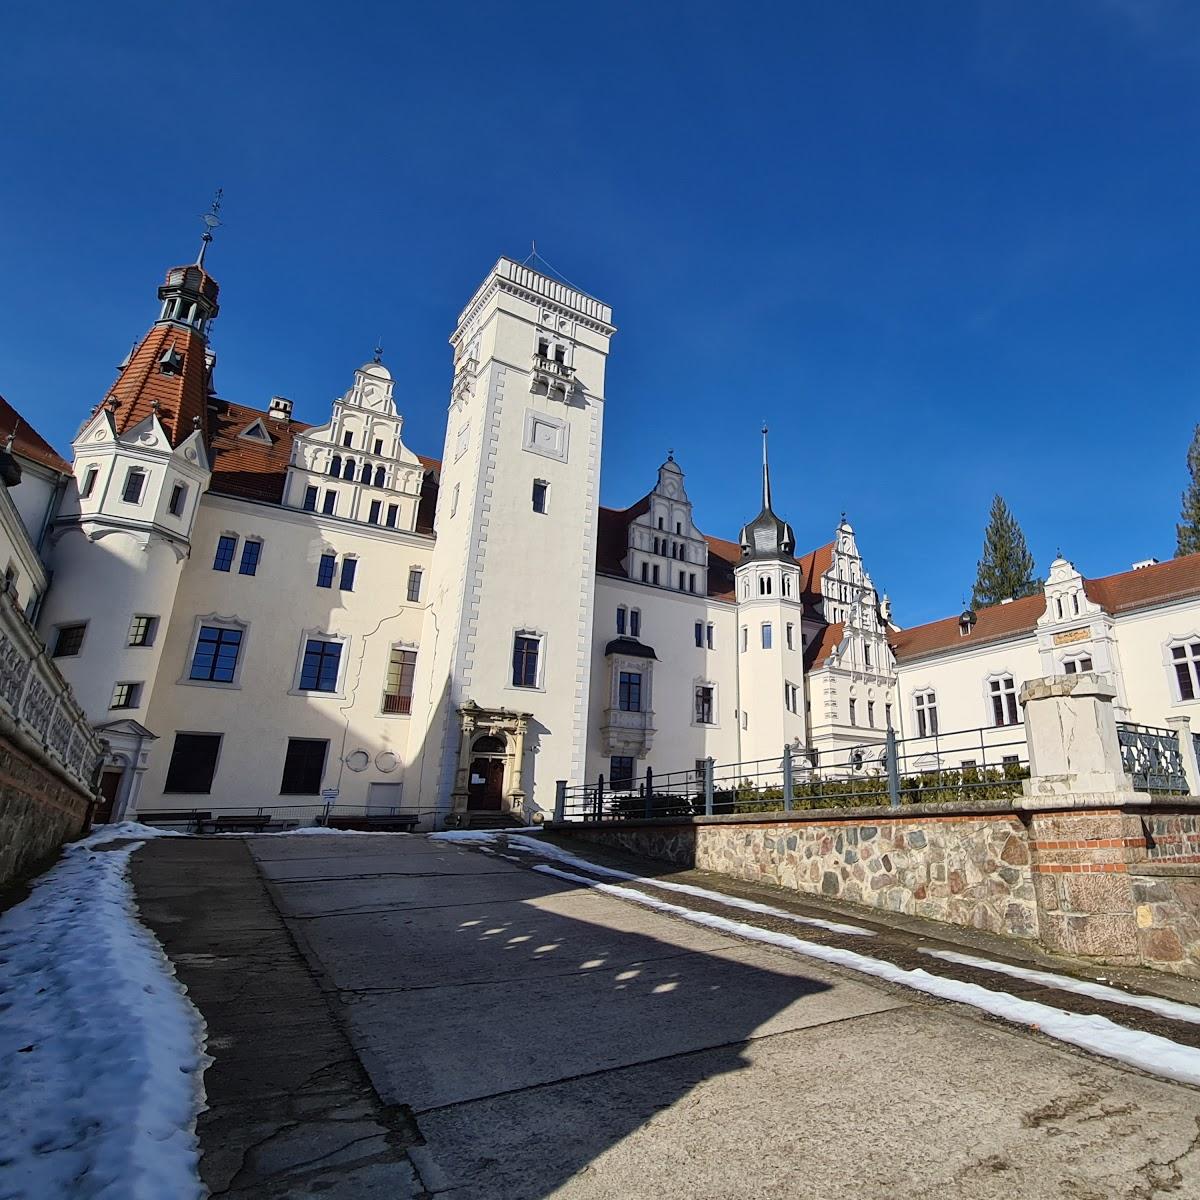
(767, 536)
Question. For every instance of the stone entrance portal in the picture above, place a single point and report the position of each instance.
(490, 755)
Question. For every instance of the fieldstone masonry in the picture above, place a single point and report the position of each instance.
(1079, 862)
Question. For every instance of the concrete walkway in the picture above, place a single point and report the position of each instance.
(525, 1037)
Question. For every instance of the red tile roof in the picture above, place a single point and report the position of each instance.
(180, 399)
(1126, 591)
(28, 443)
(822, 646)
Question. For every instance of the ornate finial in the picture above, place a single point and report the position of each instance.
(156, 405)
(1058, 552)
(211, 220)
(671, 455)
(196, 421)
(379, 350)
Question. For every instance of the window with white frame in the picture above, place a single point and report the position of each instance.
(215, 654)
(635, 622)
(89, 482)
(1077, 664)
(622, 615)
(791, 696)
(1185, 660)
(708, 635)
(925, 708)
(790, 635)
(526, 660)
(320, 665)
(704, 695)
(414, 584)
(398, 685)
(745, 638)
(135, 482)
(700, 634)
(766, 635)
(853, 712)
(541, 496)
(1003, 693)
(178, 496)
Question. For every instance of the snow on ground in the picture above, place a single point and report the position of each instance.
(101, 1052)
(1083, 987)
(557, 854)
(1096, 1034)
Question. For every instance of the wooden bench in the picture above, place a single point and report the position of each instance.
(377, 822)
(235, 823)
(178, 816)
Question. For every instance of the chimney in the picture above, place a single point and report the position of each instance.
(1146, 562)
(280, 409)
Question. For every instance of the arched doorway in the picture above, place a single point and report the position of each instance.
(485, 779)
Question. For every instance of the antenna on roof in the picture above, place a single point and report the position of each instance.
(534, 256)
(379, 349)
(211, 221)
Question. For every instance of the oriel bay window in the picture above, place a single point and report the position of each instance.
(526, 652)
(398, 687)
(629, 691)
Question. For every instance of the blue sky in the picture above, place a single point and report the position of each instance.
(944, 249)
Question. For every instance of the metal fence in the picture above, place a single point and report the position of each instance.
(978, 764)
(1153, 757)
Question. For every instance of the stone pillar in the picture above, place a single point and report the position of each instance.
(1074, 754)
(1187, 749)
(1084, 830)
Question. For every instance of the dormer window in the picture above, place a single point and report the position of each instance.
(171, 362)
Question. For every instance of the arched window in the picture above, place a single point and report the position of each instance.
(348, 469)
(787, 585)
(489, 744)
(379, 477)
(335, 465)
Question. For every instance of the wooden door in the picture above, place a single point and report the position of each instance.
(485, 784)
(110, 782)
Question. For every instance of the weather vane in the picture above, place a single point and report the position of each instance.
(379, 349)
(211, 219)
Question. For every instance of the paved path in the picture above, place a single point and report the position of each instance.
(529, 1038)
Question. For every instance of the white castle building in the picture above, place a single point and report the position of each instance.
(259, 612)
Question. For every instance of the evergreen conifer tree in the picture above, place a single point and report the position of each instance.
(1006, 568)
(1187, 532)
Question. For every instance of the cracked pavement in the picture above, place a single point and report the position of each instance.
(394, 1016)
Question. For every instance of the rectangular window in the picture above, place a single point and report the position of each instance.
(325, 570)
(621, 615)
(887, 716)
(141, 631)
(319, 670)
(700, 634)
(635, 622)
(1074, 666)
(790, 696)
(708, 635)
(654, 573)
(303, 766)
(216, 657)
(766, 636)
(135, 481)
(645, 572)
(414, 585)
(1004, 700)
(379, 446)
(193, 763)
(392, 512)
(704, 704)
(373, 515)
(398, 688)
(925, 705)
(867, 656)
(629, 691)
(691, 581)
(348, 439)
(329, 507)
(310, 499)
(871, 713)
(69, 640)
(251, 552)
(853, 712)
(89, 482)
(525, 660)
(789, 635)
(178, 492)
(541, 493)
(745, 638)
(620, 773)
(349, 567)
(226, 547)
(126, 695)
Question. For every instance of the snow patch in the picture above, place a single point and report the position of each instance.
(122, 829)
(101, 1052)
(1146, 1051)
(1097, 991)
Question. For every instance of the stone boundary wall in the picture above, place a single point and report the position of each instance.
(1116, 884)
(39, 811)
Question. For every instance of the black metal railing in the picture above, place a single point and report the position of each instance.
(1152, 756)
